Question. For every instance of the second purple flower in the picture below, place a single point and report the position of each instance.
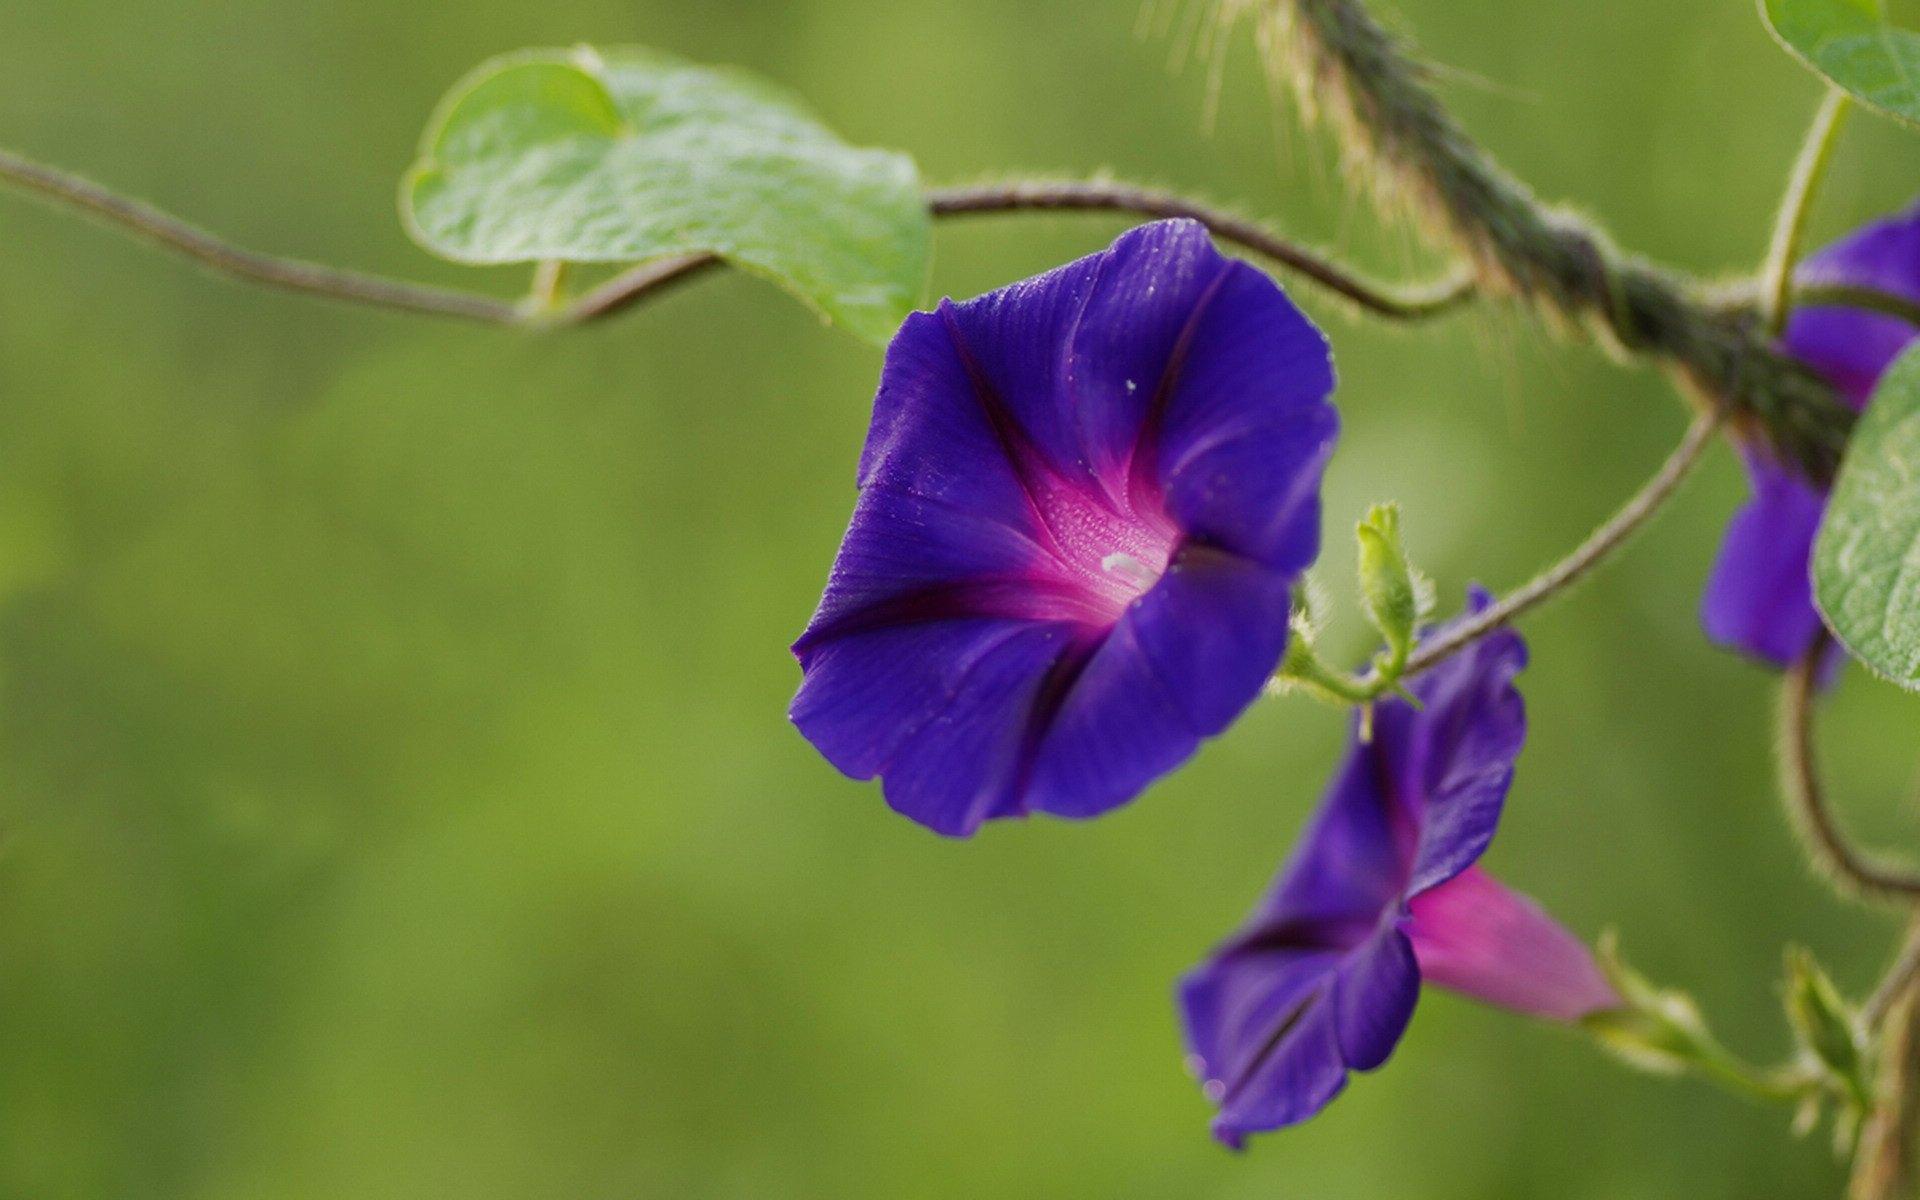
(1382, 895)
(1084, 502)
(1760, 598)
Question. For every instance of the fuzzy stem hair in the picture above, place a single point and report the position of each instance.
(1349, 72)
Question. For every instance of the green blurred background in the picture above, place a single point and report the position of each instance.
(396, 791)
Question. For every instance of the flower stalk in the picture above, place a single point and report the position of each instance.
(1303, 670)
(1838, 295)
(1600, 545)
(548, 291)
(1662, 1031)
(1789, 229)
(1903, 971)
(1852, 871)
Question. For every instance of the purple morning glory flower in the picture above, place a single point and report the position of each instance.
(1382, 894)
(1760, 598)
(1084, 502)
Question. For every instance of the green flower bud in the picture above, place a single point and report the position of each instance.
(1386, 581)
(1825, 1024)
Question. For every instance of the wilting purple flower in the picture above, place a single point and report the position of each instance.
(1381, 894)
(1084, 502)
(1760, 598)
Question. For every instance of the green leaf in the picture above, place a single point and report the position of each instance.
(1855, 46)
(577, 156)
(1866, 562)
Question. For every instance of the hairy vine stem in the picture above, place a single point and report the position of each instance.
(287, 274)
(1852, 870)
(1344, 66)
(544, 306)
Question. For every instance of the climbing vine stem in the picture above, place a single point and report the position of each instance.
(546, 308)
(1852, 870)
(1598, 546)
(1303, 670)
(1790, 226)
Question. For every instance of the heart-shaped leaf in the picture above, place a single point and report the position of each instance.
(1852, 43)
(1866, 562)
(579, 156)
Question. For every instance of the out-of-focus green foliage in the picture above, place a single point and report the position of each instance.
(396, 790)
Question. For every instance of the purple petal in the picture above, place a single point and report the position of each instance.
(1759, 599)
(1327, 957)
(1261, 1032)
(867, 693)
(931, 438)
(1075, 357)
(1233, 1004)
(1247, 429)
(968, 763)
(1419, 801)
(1351, 864)
(1297, 1078)
(1213, 631)
(1477, 937)
(1850, 346)
(1180, 665)
(1275, 1019)
(1319, 977)
(905, 558)
(1117, 728)
(1374, 996)
(1133, 339)
(1465, 739)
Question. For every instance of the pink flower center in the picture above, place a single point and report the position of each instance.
(1103, 555)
